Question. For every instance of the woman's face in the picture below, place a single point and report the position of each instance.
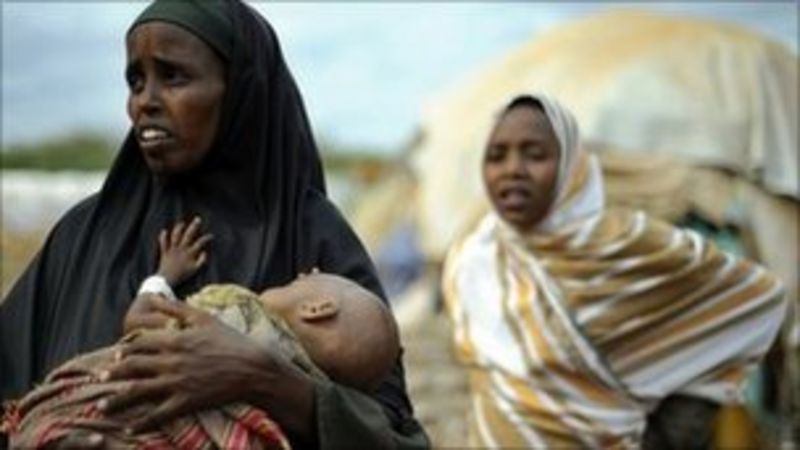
(176, 85)
(520, 166)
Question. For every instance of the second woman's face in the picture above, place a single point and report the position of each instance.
(520, 166)
(176, 86)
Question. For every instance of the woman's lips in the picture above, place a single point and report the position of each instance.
(153, 138)
(515, 199)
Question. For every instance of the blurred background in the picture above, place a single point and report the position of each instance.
(692, 107)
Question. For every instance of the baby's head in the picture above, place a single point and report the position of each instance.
(346, 330)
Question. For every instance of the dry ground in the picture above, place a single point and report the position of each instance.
(437, 386)
(16, 250)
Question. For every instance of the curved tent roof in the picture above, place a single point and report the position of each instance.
(708, 93)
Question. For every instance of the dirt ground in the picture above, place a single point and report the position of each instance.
(437, 386)
(16, 250)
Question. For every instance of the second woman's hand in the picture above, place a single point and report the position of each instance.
(206, 365)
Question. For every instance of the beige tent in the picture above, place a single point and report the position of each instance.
(704, 92)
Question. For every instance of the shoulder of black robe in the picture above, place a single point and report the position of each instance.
(26, 314)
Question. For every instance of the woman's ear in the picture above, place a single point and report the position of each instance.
(318, 308)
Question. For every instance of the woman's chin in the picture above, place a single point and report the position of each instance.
(163, 171)
(157, 167)
(522, 221)
(161, 166)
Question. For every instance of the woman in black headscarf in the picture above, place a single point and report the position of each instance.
(219, 131)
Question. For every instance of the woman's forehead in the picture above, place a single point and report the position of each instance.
(165, 37)
(523, 119)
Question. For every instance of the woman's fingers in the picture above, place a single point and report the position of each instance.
(137, 392)
(177, 372)
(153, 311)
(148, 321)
(169, 409)
(184, 313)
(132, 365)
(143, 314)
(173, 309)
(151, 367)
(152, 341)
(156, 311)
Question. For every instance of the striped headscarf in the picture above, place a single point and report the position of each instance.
(579, 183)
(574, 331)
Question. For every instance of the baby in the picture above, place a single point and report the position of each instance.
(329, 326)
(320, 320)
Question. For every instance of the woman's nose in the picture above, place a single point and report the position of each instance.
(515, 163)
(148, 99)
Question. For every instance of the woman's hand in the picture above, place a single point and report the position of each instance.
(205, 365)
(151, 311)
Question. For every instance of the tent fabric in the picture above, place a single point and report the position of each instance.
(659, 185)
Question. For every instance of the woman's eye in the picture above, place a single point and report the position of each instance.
(494, 154)
(535, 153)
(173, 75)
(134, 81)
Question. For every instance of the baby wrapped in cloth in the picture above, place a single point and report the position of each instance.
(321, 322)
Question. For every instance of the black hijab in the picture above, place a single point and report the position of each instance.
(260, 191)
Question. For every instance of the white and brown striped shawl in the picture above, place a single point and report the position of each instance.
(573, 332)
(572, 338)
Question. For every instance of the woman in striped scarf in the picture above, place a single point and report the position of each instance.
(576, 321)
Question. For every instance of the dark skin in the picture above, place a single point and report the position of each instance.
(176, 89)
(345, 329)
(353, 340)
(171, 370)
(182, 250)
(520, 166)
(176, 85)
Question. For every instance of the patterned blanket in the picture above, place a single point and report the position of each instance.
(66, 402)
